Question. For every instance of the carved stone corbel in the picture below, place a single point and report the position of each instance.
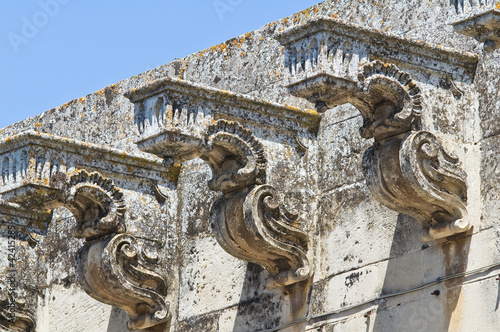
(407, 169)
(94, 201)
(41, 172)
(117, 270)
(112, 267)
(249, 221)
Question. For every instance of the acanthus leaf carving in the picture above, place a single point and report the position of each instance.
(117, 271)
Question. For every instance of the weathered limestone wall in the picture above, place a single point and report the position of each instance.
(360, 250)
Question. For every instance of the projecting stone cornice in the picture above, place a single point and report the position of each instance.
(14, 214)
(484, 27)
(330, 46)
(170, 103)
(29, 160)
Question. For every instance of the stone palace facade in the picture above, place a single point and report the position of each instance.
(336, 170)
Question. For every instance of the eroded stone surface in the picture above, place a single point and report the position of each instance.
(359, 250)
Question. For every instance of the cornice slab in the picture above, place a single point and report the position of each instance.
(240, 106)
(333, 48)
(173, 114)
(29, 160)
(484, 27)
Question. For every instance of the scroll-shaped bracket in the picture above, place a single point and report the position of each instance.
(256, 227)
(407, 169)
(417, 177)
(118, 271)
(388, 99)
(39, 174)
(249, 221)
(14, 317)
(113, 267)
(235, 156)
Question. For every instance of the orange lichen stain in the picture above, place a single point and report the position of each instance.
(183, 70)
(497, 6)
(315, 10)
(221, 48)
(242, 53)
(282, 48)
(291, 107)
(285, 20)
(277, 74)
(38, 125)
(336, 16)
(81, 115)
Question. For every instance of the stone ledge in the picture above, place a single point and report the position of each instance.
(28, 162)
(222, 104)
(333, 46)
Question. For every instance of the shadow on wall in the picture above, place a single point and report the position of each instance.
(431, 308)
(256, 301)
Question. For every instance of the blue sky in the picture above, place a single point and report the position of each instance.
(52, 51)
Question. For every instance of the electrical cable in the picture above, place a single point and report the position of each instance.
(383, 297)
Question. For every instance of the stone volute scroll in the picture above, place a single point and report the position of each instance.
(113, 266)
(407, 169)
(250, 221)
(180, 121)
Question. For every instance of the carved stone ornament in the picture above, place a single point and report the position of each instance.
(41, 172)
(117, 271)
(94, 201)
(250, 221)
(406, 169)
(478, 19)
(415, 176)
(14, 318)
(112, 267)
